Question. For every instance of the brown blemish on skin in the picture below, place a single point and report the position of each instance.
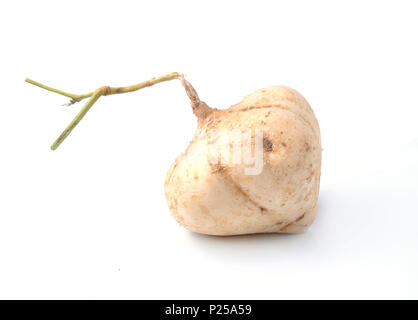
(263, 210)
(218, 169)
(267, 145)
(263, 122)
(301, 217)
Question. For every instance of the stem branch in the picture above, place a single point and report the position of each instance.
(199, 107)
(74, 97)
(96, 95)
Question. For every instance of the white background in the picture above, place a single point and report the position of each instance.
(90, 219)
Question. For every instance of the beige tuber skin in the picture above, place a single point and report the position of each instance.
(219, 197)
(222, 200)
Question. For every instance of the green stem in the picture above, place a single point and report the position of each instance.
(74, 97)
(135, 87)
(95, 95)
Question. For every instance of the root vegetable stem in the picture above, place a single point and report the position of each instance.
(197, 105)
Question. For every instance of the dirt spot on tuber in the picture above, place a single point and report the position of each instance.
(262, 210)
(218, 169)
(267, 145)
